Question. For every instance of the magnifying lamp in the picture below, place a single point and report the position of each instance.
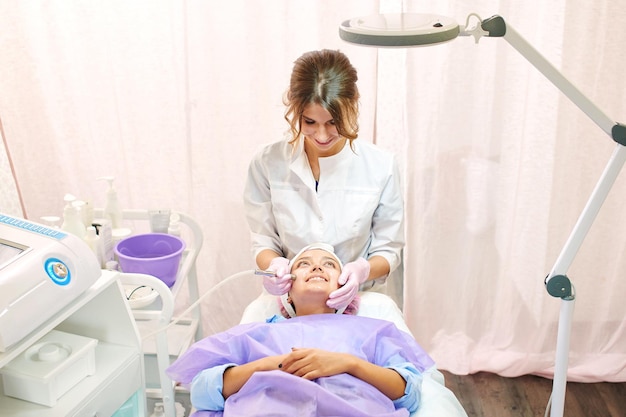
(413, 30)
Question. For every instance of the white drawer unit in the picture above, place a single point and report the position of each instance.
(114, 367)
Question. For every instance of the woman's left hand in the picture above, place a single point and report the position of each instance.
(315, 363)
(352, 276)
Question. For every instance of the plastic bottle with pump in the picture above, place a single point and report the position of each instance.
(96, 245)
(111, 207)
(72, 220)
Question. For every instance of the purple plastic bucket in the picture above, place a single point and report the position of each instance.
(156, 254)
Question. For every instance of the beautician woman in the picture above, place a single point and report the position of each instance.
(323, 185)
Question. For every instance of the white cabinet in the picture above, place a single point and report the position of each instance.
(103, 314)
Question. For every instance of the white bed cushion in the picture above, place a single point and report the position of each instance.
(373, 304)
(437, 400)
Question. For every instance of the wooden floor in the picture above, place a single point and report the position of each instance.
(490, 395)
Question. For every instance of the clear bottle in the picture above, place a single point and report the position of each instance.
(51, 221)
(174, 227)
(86, 211)
(158, 411)
(72, 220)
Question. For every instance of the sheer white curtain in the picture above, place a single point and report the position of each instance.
(498, 168)
(174, 97)
(10, 202)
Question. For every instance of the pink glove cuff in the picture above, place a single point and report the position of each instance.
(359, 269)
(365, 269)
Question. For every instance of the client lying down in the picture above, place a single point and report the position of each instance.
(315, 364)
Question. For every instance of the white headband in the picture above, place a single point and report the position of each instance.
(323, 246)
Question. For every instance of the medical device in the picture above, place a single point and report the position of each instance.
(42, 270)
(269, 273)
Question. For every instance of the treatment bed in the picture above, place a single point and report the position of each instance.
(436, 399)
(236, 300)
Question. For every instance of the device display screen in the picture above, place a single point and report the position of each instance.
(10, 251)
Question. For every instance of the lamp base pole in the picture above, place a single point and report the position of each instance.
(559, 382)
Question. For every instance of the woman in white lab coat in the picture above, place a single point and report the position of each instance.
(323, 185)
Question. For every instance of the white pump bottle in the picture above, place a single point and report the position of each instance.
(111, 208)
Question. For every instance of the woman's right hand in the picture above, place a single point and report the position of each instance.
(315, 363)
(280, 283)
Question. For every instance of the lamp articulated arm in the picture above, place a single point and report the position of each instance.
(557, 283)
(495, 26)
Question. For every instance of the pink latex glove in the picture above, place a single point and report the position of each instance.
(281, 283)
(352, 276)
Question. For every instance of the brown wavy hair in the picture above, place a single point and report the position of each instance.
(327, 78)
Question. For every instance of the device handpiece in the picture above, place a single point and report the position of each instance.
(269, 273)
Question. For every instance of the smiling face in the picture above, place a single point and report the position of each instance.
(320, 133)
(317, 273)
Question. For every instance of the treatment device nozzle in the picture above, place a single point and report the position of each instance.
(269, 273)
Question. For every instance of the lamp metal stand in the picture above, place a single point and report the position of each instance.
(407, 29)
(557, 283)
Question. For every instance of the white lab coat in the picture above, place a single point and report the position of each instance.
(358, 207)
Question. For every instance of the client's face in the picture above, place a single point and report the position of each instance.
(316, 271)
